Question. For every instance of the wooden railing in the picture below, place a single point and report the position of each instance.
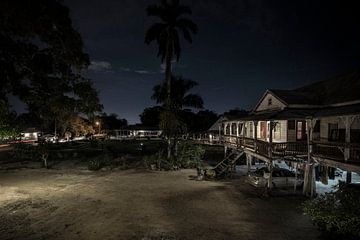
(248, 142)
(289, 149)
(262, 148)
(329, 150)
(354, 152)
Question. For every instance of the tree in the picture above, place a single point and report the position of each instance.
(336, 214)
(7, 130)
(180, 97)
(111, 122)
(166, 33)
(41, 59)
(80, 127)
(150, 117)
(204, 120)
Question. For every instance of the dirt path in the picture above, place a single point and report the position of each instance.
(59, 204)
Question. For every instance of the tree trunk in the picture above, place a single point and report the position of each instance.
(168, 85)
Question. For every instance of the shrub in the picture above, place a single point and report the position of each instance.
(99, 162)
(336, 214)
(190, 155)
(154, 161)
(23, 151)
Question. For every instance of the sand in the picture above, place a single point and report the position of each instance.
(141, 204)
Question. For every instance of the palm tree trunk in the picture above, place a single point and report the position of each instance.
(168, 85)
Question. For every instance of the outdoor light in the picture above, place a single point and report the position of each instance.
(97, 123)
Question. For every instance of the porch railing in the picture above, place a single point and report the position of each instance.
(329, 150)
(354, 152)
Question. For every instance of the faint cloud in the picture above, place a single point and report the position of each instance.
(140, 71)
(100, 66)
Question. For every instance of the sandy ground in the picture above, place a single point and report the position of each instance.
(139, 204)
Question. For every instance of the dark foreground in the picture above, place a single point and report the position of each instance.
(138, 204)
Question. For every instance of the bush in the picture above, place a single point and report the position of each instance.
(23, 151)
(158, 161)
(190, 155)
(99, 162)
(336, 214)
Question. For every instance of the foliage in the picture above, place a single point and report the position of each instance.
(170, 124)
(133, 147)
(150, 117)
(111, 122)
(96, 163)
(190, 155)
(166, 32)
(154, 160)
(7, 130)
(41, 58)
(79, 127)
(180, 97)
(337, 214)
(200, 121)
(23, 151)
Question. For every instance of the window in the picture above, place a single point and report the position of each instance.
(269, 101)
(317, 126)
(299, 130)
(233, 129)
(251, 129)
(291, 124)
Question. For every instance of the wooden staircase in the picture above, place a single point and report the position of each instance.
(224, 167)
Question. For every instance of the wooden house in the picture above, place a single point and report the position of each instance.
(318, 123)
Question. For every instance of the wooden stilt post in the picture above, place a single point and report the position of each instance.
(255, 135)
(271, 126)
(348, 120)
(309, 173)
(296, 176)
(248, 162)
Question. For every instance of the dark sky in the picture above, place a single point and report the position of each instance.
(243, 47)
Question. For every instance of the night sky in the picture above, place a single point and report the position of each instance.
(243, 47)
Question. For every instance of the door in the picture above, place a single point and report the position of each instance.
(263, 133)
(300, 130)
(333, 133)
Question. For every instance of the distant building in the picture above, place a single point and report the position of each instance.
(31, 134)
(136, 131)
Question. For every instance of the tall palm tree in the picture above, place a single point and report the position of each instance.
(166, 33)
(180, 97)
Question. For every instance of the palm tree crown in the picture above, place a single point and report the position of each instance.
(180, 97)
(166, 32)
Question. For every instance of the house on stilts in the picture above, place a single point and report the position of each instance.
(318, 124)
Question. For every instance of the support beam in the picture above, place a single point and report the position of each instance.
(348, 177)
(255, 135)
(248, 162)
(270, 166)
(309, 188)
(348, 120)
(237, 129)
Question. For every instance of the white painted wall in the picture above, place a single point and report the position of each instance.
(324, 125)
(275, 103)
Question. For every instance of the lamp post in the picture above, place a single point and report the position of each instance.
(98, 124)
